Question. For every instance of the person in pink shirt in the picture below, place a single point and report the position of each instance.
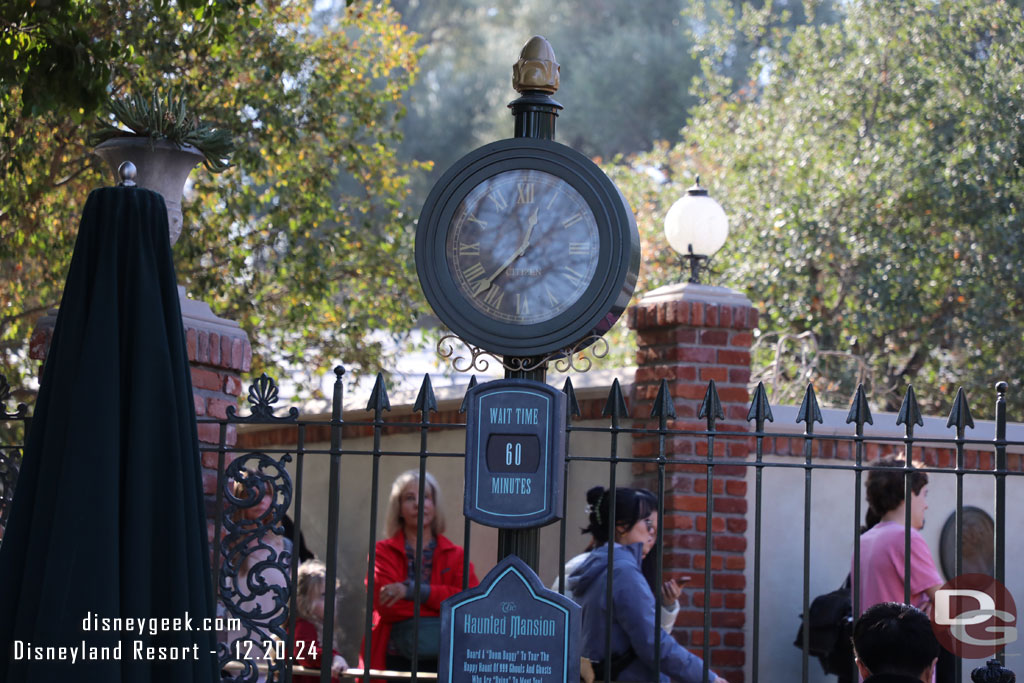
(883, 543)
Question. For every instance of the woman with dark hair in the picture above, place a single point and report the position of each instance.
(632, 535)
(883, 541)
(670, 589)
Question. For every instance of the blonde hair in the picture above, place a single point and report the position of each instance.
(394, 520)
(312, 579)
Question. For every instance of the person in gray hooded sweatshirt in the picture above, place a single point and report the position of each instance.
(634, 606)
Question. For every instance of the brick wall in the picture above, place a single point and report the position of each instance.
(218, 358)
(691, 335)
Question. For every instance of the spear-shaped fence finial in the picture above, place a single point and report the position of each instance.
(910, 412)
(572, 406)
(615, 407)
(664, 407)
(465, 399)
(711, 406)
(379, 402)
(425, 401)
(860, 411)
(809, 410)
(760, 408)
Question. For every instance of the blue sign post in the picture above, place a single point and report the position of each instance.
(509, 629)
(515, 451)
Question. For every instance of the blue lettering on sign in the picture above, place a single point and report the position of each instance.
(508, 485)
(509, 624)
(517, 485)
(519, 416)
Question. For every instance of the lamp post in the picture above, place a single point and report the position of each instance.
(696, 226)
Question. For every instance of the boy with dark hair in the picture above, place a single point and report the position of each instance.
(894, 643)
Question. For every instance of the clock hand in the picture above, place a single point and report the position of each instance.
(520, 250)
(485, 284)
(529, 231)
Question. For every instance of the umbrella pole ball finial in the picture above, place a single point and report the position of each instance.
(537, 68)
(127, 172)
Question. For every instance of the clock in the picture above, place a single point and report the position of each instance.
(541, 242)
(525, 247)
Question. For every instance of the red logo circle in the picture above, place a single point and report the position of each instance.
(974, 616)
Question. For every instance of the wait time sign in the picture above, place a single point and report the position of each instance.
(515, 453)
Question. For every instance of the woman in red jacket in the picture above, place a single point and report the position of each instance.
(394, 578)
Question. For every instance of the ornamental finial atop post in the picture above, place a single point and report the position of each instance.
(535, 78)
(537, 68)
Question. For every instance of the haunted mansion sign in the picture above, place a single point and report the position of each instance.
(510, 629)
(515, 453)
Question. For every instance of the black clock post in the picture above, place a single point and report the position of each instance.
(535, 77)
(526, 250)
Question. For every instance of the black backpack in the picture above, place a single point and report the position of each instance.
(831, 626)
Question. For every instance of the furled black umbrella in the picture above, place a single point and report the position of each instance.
(107, 530)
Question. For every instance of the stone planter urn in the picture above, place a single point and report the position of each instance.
(161, 166)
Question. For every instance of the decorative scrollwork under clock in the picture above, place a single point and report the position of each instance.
(578, 357)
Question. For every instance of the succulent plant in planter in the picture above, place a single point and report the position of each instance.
(166, 117)
(165, 141)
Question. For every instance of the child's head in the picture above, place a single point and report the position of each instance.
(311, 590)
(253, 504)
(893, 638)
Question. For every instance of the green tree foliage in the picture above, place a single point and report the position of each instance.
(305, 241)
(626, 71)
(49, 49)
(625, 81)
(871, 170)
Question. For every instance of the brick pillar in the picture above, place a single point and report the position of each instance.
(218, 352)
(690, 334)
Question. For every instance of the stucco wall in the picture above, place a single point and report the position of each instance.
(832, 527)
(832, 534)
(356, 476)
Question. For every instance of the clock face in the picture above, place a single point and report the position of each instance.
(522, 246)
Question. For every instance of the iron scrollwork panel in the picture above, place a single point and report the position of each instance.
(255, 567)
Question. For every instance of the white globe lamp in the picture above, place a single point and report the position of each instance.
(696, 226)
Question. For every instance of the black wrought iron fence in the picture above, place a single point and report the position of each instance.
(255, 561)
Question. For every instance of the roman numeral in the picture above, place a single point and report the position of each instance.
(522, 305)
(473, 219)
(473, 249)
(572, 220)
(494, 296)
(574, 277)
(474, 273)
(525, 193)
(552, 299)
(551, 201)
(578, 248)
(498, 199)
